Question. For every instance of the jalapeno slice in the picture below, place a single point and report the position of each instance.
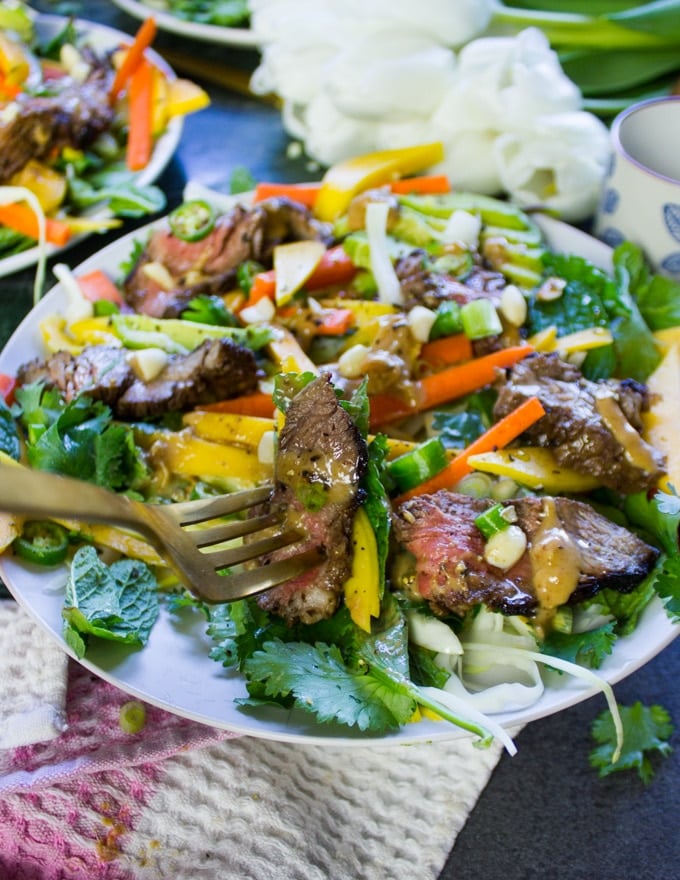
(192, 221)
(42, 542)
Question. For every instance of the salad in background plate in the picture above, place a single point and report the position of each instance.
(223, 22)
(89, 119)
(469, 421)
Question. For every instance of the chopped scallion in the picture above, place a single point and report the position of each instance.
(495, 519)
(414, 467)
(480, 319)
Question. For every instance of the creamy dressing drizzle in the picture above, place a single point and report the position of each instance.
(555, 561)
(635, 449)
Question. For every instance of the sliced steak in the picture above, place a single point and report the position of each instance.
(217, 370)
(319, 466)
(100, 371)
(209, 266)
(420, 285)
(75, 116)
(572, 553)
(592, 427)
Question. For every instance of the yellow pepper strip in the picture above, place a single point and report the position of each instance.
(55, 338)
(367, 314)
(94, 331)
(185, 96)
(544, 340)
(186, 455)
(345, 179)
(229, 427)
(362, 588)
(14, 64)
(534, 467)
(661, 424)
(81, 225)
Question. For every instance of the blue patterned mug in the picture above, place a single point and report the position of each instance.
(640, 198)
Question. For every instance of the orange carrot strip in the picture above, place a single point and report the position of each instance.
(133, 57)
(263, 287)
(22, 219)
(335, 322)
(304, 193)
(140, 130)
(426, 184)
(97, 285)
(448, 384)
(447, 350)
(256, 404)
(498, 436)
(461, 379)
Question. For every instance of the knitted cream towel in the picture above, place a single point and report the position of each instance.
(32, 680)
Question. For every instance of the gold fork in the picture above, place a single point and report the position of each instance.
(168, 528)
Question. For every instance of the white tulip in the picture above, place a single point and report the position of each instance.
(557, 162)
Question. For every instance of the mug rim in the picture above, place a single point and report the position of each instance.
(616, 134)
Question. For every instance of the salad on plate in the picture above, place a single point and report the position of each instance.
(471, 428)
(223, 22)
(89, 117)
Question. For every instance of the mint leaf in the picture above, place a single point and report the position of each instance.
(646, 729)
(320, 682)
(118, 602)
(588, 649)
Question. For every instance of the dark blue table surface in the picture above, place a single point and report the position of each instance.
(545, 813)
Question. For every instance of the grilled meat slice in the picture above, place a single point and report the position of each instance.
(320, 462)
(209, 266)
(572, 552)
(592, 427)
(421, 286)
(217, 369)
(100, 371)
(75, 116)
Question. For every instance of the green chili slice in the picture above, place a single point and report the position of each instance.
(192, 221)
(42, 542)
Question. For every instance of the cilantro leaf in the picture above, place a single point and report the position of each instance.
(646, 729)
(319, 681)
(209, 309)
(118, 602)
(667, 585)
(588, 649)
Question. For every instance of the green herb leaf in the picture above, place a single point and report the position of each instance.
(320, 682)
(646, 730)
(588, 649)
(9, 435)
(118, 602)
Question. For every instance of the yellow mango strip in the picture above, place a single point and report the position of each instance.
(186, 455)
(185, 96)
(534, 467)
(228, 427)
(583, 340)
(286, 351)
(294, 262)
(347, 178)
(668, 337)
(362, 588)
(14, 64)
(115, 538)
(544, 340)
(661, 424)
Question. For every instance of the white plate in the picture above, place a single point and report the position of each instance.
(209, 33)
(102, 39)
(174, 671)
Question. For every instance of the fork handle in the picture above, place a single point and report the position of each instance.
(42, 494)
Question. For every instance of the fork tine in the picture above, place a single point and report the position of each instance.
(240, 584)
(244, 552)
(239, 528)
(189, 512)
